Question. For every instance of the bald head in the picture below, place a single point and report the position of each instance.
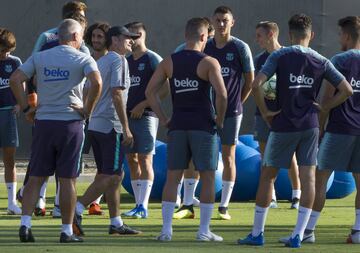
(69, 30)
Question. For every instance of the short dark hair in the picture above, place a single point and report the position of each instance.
(79, 18)
(7, 39)
(223, 10)
(193, 26)
(103, 26)
(136, 24)
(211, 27)
(268, 26)
(73, 6)
(351, 25)
(300, 25)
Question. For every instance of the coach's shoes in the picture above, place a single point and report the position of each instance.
(223, 213)
(95, 209)
(185, 212)
(25, 234)
(64, 238)
(130, 213)
(252, 240)
(77, 227)
(354, 237)
(123, 230)
(14, 210)
(294, 242)
(56, 212)
(295, 203)
(141, 212)
(273, 204)
(164, 237)
(208, 237)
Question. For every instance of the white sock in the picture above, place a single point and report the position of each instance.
(97, 201)
(136, 189)
(259, 220)
(67, 229)
(41, 203)
(189, 190)
(227, 188)
(11, 189)
(296, 194)
(57, 196)
(314, 217)
(357, 220)
(79, 209)
(167, 214)
(302, 220)
(26, 221)
(43, 190)
(179, 188)
(145, 190)
(116, 221)
(205, 217)
(273, 195)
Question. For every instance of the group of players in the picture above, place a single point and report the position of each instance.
(122, 100)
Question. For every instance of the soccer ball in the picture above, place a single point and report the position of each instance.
(269, 88)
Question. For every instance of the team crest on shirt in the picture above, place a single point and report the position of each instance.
(229, 56)
(8, 68)
(141, 66)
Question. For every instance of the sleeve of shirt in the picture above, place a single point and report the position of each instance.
(119, 73)
(155, 59)
(246, 58)
(39, 43)
(332, 74)
(28, 67)
(90, 66)
(269, 68)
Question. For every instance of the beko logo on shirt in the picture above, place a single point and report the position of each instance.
(55, 74)
(187, 83)
(301, 81)
(225, 71)
(135, 81)
(355, 83)
(4, 81)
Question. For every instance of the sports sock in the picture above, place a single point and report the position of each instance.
(296, 194)
(136, 189)
(11, 190)
(116, 221)
(79, 209)
(167, 214)
(227, 188)
(273, 194)
(314, 217)
(42, 193)
(259, 220)
(302, 220)
(145, 190)
(67, 229)
(179, 188)
(26, 221)
(205, 217)
(357, 220)
(57, 196)
(189, 190)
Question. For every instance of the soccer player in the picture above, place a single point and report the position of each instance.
(9, 139)
(49, 39)
(143, 122)
(192, 128)
(267, 34)
(95, 37)
(58, 128)
(236, 61)
(109, 131)
(340, 146)
(295, 128)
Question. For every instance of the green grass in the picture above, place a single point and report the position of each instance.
(334, 225)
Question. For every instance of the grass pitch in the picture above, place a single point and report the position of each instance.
(334, 225)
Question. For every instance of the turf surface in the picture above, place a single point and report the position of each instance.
(333, 227)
